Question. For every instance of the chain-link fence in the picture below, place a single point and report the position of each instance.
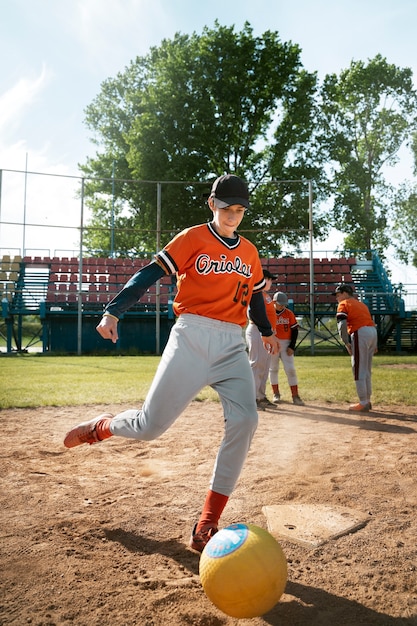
(58, 256)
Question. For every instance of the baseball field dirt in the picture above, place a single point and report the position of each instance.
(97, 535)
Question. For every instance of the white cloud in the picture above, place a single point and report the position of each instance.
(109, 31)
(15, 102)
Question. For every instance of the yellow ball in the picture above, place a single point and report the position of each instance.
(243, 570)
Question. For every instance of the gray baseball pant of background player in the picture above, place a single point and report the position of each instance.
(287, 362)
(364, 346)
(259, 359)
(199, 352)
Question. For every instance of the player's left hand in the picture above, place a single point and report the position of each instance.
(271, 344)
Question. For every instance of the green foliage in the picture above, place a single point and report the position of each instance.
(414, 150)
(405, 216)
(405, 224)
(201, 105)
(32, 381)
(368, 112)
(194, 108)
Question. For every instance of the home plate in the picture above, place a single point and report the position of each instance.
(312, 524)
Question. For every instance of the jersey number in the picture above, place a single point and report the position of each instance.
(241, 293)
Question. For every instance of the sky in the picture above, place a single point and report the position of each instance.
(57, 53)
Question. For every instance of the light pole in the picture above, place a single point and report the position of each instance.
(112, 214)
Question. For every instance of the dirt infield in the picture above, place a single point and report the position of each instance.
(97, 536)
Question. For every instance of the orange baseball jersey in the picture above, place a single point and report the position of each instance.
(270, 309)
(286, 321)
(356, 314)
(214, 279)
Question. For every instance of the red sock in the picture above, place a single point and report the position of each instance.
(212, 509)
(103, 428)
(294, 390)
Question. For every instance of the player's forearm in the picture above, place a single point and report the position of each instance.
(343, 333)
(134, 289)
(294, 336)
(257, 313)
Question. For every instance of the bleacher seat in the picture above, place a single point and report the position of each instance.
(102, 278)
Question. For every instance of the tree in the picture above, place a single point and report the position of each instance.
(368, 112)
(196, 107)
(405, 224)
(405, 217)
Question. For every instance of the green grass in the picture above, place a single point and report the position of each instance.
(330, 378)
(41, 380)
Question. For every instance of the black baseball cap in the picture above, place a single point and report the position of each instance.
(229, 189)
(343, 288)
(267, 274)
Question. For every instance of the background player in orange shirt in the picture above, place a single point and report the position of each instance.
(287, 333)
(219, 275)
(259, 358)
(358, 332)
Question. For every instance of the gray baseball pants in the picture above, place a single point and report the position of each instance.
(364, 346)
(288, 363)
(200, 351)
(259, 359)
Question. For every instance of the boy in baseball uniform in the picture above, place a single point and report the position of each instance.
(358, 332)
(287, 333)
(259, 358)
(219, 277)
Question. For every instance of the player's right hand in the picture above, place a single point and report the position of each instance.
(107, 328)
(271, 344)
